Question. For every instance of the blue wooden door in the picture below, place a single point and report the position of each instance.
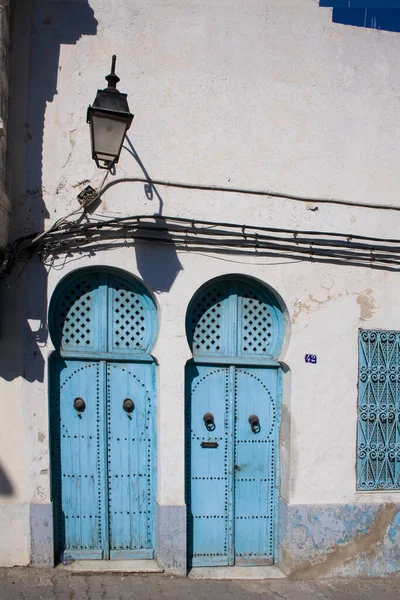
(256, 392)
(103, 324)
(78, 468)
(103, 445)
(235, 330)
(210, 467)
(231, 464)
(130, 436)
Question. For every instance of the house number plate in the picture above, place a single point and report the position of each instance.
(311, 358)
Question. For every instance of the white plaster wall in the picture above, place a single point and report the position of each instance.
(255, 94)
(324, 305)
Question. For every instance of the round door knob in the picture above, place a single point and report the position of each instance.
(79, 404)
(128, 405)
(209, 422)
(254, 423)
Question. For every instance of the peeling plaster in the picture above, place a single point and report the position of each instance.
(312, 303)
(365, 300)
(367, 305)
(364, 543)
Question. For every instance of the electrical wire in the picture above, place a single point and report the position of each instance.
(246, 191)
(216, 237)
(66, 236)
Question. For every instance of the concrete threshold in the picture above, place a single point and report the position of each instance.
(111, 566)
(271, 572)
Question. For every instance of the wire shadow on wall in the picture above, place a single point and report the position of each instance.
(158, 264)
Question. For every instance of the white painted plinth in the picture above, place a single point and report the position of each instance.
(236, 573)
(113, 566)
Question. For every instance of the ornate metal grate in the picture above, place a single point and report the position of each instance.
(378, 444)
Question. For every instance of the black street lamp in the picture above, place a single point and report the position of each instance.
(109, 120)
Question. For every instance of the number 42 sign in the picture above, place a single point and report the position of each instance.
(311, 358)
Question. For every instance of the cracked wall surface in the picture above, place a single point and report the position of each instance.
(340, 540)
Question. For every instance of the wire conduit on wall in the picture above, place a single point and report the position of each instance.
(67, 236)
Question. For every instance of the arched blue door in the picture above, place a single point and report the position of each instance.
(235, 330)
(102, 402)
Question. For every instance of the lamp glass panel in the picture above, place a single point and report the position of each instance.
(108, 134)
(104, 157)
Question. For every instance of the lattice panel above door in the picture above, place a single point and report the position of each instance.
(74, 325)
(256, 322)
(234, 318)
(130, 323)
(207, 330)
(378, 444)
(101, 311)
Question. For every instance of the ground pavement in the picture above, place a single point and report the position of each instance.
(35, 584)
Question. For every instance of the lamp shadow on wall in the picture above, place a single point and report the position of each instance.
(363, 13)
(38, 31)
(158, 264)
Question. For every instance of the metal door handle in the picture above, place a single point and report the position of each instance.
(209, 422)
(254, 423)
(128, 405)
(79, 405)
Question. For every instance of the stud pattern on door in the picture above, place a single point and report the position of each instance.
(207, 472)
(255, 456)
(130, 461)
(78, 461)
(231, 491)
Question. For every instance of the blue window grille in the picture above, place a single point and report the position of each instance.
(378, 443)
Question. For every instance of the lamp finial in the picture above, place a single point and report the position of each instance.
(112, 78)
